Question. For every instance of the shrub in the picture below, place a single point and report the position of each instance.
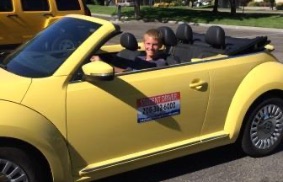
(96, 2)
(260, 4)
(176, 2)
(244, 2)
(90, 2)
(253, 3)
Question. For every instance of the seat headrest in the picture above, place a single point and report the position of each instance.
(184, 33)
(215, 36)
(129, 41)
(168, 36)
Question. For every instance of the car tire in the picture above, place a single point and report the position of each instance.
(17, 165)
(263, 131)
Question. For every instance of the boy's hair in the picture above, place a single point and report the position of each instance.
(154, 33)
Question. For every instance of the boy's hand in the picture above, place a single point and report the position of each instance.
(94, 58)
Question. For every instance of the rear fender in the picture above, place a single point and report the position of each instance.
(263, 78)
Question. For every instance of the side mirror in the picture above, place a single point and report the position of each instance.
(98, 70)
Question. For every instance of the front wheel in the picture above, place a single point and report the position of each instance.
(17, 166)
(263, 131)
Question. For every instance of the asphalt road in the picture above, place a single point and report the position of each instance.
(218, 165)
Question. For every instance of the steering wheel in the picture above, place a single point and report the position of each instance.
(65, 42)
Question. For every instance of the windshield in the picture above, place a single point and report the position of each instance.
(44, 54)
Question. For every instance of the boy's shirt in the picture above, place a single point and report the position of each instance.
(141, 63)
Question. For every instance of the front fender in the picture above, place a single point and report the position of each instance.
(25, 124)
(263, 78)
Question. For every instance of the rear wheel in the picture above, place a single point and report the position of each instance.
(17, 166)
(264, 128)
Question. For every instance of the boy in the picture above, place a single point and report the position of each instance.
(152, 44)
(152, 40)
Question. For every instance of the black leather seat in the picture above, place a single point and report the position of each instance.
(126, 57)
(169, 38)
(184, 34)
(129, 42)
(215, 40)
(186, 48)
(215, 36)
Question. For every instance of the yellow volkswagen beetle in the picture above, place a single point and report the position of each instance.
(65, 118)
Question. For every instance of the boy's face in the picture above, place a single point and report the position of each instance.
(151, 46)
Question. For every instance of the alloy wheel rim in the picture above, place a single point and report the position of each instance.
(266, 127)
(11, 172)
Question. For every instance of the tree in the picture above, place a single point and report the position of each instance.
(137, 7)
(245, 2)
(215, 6)
(271, 3)
(192, 3)
(233, 6)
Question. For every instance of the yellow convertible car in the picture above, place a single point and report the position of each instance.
(65, 118)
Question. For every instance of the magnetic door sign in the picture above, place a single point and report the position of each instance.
(151, 108)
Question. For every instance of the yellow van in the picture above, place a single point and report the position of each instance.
(20, 20)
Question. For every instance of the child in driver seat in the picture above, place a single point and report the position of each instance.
(152, 43)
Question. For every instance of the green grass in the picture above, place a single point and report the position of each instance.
(256, 19)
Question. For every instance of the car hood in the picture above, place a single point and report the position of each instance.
(13, 87)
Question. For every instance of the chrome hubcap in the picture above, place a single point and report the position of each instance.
(10, 172)
(267, 126)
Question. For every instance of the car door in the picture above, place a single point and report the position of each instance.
(64, 7)
(135, 114)
(10, 29)
(225, 77)
(25, 20)
(33, 15)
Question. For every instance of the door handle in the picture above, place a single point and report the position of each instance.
(12, 15)
(198, 84)
(48, 14)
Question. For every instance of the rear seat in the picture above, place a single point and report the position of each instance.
(169, 40)
(193, 46)
(216, 43)
(187, 48)
(184, 50)
(182, 47)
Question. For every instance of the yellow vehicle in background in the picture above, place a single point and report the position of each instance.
(20, 20)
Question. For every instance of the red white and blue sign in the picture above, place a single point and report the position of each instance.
(160, 106)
